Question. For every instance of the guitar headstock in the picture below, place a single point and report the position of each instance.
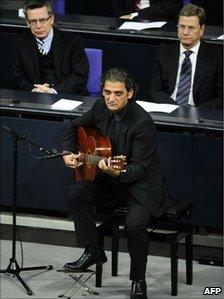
(118, 162)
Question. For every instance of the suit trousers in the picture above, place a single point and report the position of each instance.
(83, 196)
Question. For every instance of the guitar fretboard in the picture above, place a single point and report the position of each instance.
(90, 159)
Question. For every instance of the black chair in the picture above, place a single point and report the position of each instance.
(105, 221)
(169, 227)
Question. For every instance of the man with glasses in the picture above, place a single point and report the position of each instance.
(189, 73)
(46, 59)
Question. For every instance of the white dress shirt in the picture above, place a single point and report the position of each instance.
(143, 4)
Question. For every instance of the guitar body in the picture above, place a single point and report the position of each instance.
(91, 143)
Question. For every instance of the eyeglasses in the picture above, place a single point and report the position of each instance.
(188, 28)
(42, 21)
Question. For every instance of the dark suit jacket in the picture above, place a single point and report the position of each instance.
(158, 10)
(208, 81)
(123, 7)
(70, 61)
(137, 142)
(214, 13)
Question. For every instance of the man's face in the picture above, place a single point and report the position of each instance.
(39, 21)
(189, 31)
(116, 95)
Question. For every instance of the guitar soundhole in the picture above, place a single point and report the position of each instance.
(89, 141)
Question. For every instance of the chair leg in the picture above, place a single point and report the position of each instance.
(115, 249)
(174, 266)
(189, 258)
(99, 270)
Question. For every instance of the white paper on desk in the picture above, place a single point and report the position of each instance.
(140, 25)
(221, 37)
(154, 107)
(64, 104)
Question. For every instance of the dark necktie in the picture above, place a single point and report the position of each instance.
(113, 130)
(184, 84)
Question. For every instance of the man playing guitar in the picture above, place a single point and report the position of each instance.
(139, 186)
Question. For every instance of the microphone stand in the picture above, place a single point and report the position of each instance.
(13, 268)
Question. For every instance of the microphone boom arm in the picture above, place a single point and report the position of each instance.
(24, 138)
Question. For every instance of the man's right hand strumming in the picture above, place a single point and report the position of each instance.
(72, 160)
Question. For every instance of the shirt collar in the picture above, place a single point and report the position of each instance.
(49, 38)
(121, 113)
(193, 49)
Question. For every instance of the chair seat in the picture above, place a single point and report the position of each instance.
(177, 210)
(169, 227)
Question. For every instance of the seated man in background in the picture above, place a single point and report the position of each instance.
(189, 72)
(46, 59)
(140, 187)
(213, 10)
(152, 10)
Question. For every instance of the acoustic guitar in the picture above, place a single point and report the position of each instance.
(94, 147)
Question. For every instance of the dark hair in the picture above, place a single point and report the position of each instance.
(191, 10)
(120, 75)
(32, 4)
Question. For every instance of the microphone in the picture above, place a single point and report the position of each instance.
(49, 153)
(56, 155)
(25, 140)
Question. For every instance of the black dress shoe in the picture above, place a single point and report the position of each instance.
(86, 260)
(138, 290)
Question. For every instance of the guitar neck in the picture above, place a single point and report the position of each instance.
(90, 159)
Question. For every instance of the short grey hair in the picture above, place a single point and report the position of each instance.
(191, 10)
(32, 4)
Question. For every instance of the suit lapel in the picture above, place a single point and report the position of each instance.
(173, 65)
(127, 122)
(105, 124)
(201, 66)
(58, 51)
(32, 54)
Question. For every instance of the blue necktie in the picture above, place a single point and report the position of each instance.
(185, 80)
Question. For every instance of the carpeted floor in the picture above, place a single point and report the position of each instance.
(50, 284)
